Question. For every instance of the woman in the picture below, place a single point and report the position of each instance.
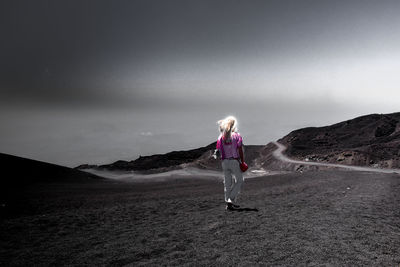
(229, 144)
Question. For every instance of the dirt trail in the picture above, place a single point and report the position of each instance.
(278, 154)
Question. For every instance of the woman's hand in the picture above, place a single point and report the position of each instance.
(215, 154)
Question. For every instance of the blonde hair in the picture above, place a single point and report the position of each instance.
(227, 126)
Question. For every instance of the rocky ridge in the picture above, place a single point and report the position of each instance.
(371, 140)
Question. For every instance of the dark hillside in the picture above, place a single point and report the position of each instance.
(22, 171)
(367, 140)
(199, 157)
(21, 174)
(159, 162)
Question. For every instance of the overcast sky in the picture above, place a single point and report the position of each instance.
(97, 81)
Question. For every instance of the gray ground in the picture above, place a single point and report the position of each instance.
(333, 217)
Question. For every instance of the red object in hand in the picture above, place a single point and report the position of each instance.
(243, 166)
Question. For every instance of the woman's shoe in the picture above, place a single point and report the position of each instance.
(229, 206)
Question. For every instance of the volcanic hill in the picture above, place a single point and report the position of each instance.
(21, 175)
(371, 140)
(199, 157)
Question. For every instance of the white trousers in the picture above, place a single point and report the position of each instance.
(232, 186)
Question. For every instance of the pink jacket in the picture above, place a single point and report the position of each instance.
(230, 147)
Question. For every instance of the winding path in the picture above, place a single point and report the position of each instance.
(278, 154)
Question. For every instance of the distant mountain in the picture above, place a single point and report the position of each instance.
(251, 155)
(159, 162)
(371, 140)
(199, 157)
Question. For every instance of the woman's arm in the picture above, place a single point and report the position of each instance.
(241, 153)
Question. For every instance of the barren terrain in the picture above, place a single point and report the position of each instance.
(303, 206)
(311, 218)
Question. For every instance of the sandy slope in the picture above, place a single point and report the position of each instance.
(185, 172)
(340, 218)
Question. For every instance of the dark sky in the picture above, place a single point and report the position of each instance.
(190, 56)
